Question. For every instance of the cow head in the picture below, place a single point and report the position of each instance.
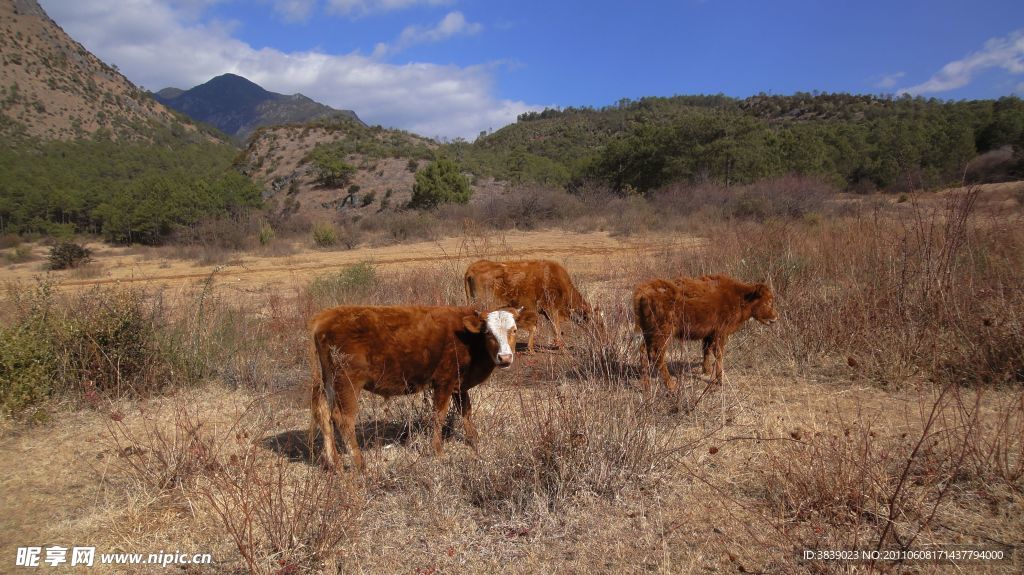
(761, 299)
(499, 330)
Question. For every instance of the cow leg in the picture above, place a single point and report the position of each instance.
(657, 346)
(533, 334)
(466, 410)
(556, 325)
(645, 359)
(345, 412)
(442, 400)
(670, 383)
(720, 357)
(706, 348)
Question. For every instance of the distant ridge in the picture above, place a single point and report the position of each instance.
(238, 106)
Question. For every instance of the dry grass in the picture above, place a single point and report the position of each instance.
(882, 412)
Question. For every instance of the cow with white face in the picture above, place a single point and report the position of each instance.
(399, 350)
(500, 327)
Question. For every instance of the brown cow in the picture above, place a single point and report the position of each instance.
(709, 308)
(540, 287)
(401, 350)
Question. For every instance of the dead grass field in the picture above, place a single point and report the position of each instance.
(842, 427)
(252, 273)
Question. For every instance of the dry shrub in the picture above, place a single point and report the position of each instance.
(18, 254)
(325, 235)
(362, 284)
(103, 340)
(282, 517)
(575, 444)
(990, 436)
(231, 232)
(67, 254)
(863, 482)
(160, 456)
(108, 338)
(524, 208)
(989, 341)
(841, 474)
(993, 166)
(352, 285)
(112, 342)
(585, 433)
(420, 286)
(605, 348)
(410, 225)
(786, 197)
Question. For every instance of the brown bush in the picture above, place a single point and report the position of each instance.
(788, 197)
(231, 233)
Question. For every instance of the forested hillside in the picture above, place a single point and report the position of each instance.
(126, 192)
(855, 141)
(85, 150)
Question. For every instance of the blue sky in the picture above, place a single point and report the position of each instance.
(452, 68)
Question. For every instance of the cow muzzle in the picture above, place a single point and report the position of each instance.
(504, 360)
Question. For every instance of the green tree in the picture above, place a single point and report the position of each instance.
(331, 170)
(439, 183)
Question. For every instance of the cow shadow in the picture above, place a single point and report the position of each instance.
(686, 368)
(378, 434)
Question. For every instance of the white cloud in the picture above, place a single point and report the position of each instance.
(888, 80)
(453, 24)
(155, 45)
(294, 10)
(362, 7)
(1004, 52)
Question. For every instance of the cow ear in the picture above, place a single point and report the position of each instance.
(754, 294)
(474, 323)
(517, 311)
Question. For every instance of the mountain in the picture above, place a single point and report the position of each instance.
(52, 88)
(238, 106)
(168, 93)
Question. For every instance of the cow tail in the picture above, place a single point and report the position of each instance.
(642, 311)
(470, 288)
(321, 396)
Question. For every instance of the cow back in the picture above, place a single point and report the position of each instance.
(533, 284)
(712, 304)
(400, 349)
